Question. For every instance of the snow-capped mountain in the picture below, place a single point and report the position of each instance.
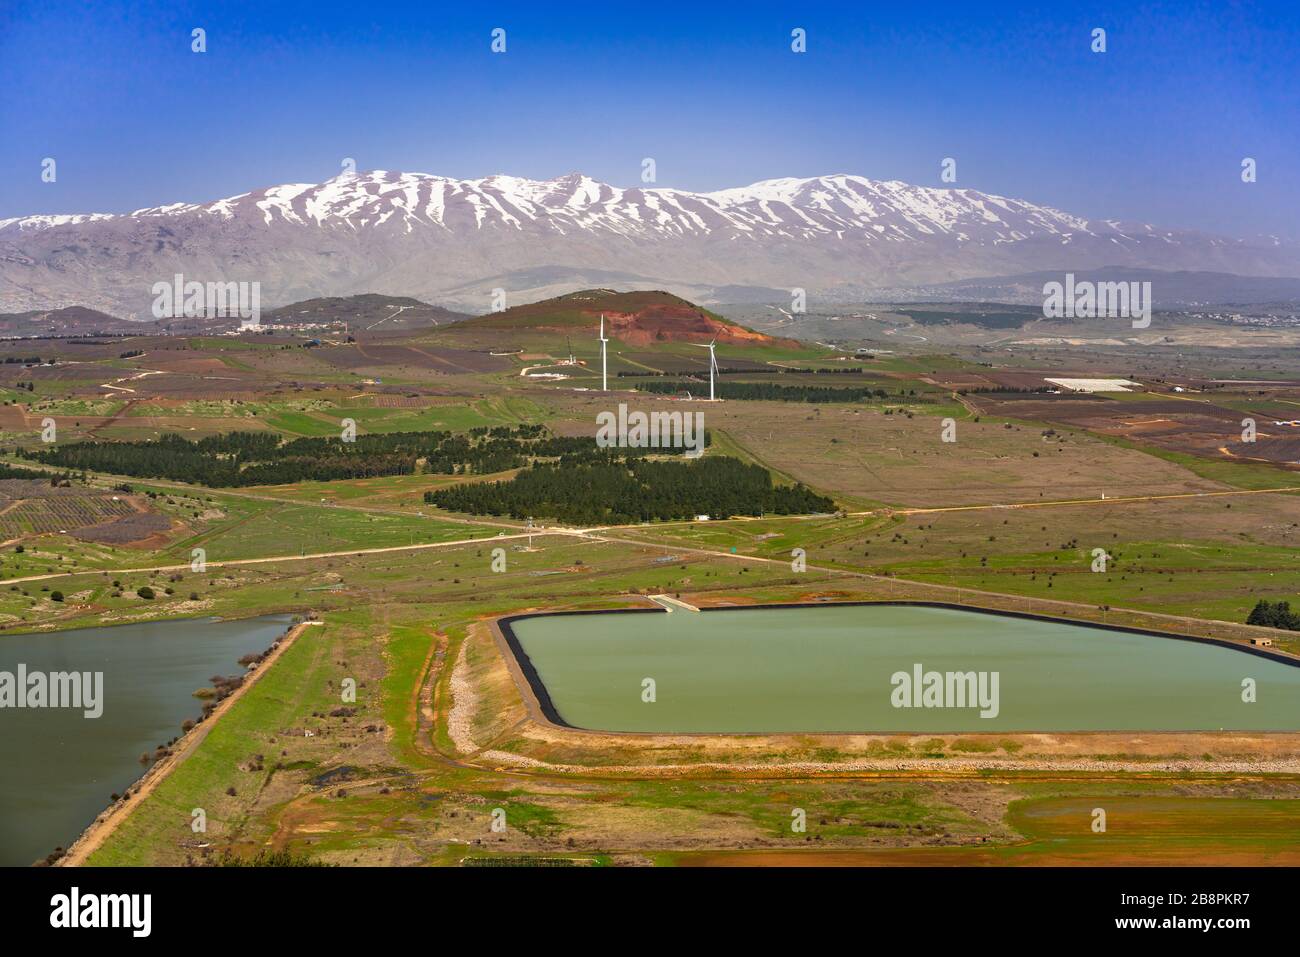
(454, 241)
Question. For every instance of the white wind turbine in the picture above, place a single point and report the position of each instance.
(604, 377)
(713, 363)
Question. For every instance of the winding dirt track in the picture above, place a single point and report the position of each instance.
(277, 558)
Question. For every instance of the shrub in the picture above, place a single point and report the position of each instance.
(266, 858)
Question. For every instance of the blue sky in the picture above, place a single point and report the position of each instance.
(1154, 129)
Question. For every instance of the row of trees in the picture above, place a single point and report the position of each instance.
(769, 391)
(843, 370)
(260, 458)
(1008, 390)
(734, 370)
(235, 459)
(613, 488)
(1274, 614)
(14, 472)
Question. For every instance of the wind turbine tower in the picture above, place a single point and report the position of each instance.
(713, 365)
(604, 376)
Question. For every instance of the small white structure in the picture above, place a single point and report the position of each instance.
(701, 518)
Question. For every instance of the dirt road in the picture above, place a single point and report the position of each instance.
(104, 825)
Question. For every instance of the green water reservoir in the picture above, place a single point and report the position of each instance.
(890, 668)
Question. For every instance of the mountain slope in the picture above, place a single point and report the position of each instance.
(634, 318)
(365, 311)
(69, 321)
(458, 240)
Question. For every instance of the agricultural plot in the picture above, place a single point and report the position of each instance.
(92, 408)
(1195, 426)
(411, 359)
(36, 508)
(1153, 828)
(134, 529)
(295, 529)
(390, 491)
(866, 455)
